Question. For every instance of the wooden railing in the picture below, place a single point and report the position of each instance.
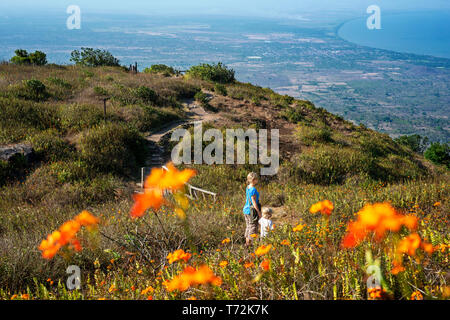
(193, 193)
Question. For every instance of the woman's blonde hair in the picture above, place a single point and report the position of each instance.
(251, 177)
(267, 212)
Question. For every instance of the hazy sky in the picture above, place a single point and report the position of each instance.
(241, 7)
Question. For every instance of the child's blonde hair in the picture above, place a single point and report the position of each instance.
(251, 177)
(267, 212)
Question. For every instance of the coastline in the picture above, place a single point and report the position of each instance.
(414, 55)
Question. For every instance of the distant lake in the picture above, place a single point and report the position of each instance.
(420, 33)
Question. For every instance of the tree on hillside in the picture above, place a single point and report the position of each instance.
(212, 72)
(162, 69)
(94, 58)
(415, 142)
(37, 58)
(439, 153)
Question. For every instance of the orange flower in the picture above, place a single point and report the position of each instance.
(416, 295)
(178, 255)
(66, 235)
(285, 242)
(86, 219)
(249, 265)
(262, 250)
(411, 243)
(376, 293)
(192, 277)
(437, 204)
(265, 265)
(225, 241)
(147, 290)
(377, 218)
(156, 183)
(325, 207)
(398, 267)
(299, 227)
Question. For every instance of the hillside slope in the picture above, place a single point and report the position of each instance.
(85, 159)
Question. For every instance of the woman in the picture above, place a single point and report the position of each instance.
(252, 208)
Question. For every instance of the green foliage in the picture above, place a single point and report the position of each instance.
(201, 97)
(76, 117)
(439, 153)
(147, 118)
(146, 95)
(328, 165)
(212, 72)
(220, 89)
(27, 113)
(281, 101)
(415, 142)
(59, 82)
(37, 58)
(293, 115)
(162, 69)
(49, 146)
(310, 135)
(112, 147)
(100, 91)
(32, 90)
(94, 58)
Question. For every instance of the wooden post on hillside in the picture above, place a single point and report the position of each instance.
(104, 107)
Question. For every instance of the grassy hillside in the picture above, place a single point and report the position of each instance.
(88, 160)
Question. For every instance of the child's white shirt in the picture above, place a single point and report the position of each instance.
(266, 225)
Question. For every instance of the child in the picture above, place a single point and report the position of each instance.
(265, 222)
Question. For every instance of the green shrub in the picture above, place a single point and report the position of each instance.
(94, 58)
(415, 142)
(146, 95)
(293, 115)
(99, 91)
(59, 82)
(162, 69)
(220, 89)
(377, 145)
(19, 113)
(71, 171)
(212, 72)
(310, 135)
(113, 147)
(147, 118)
(395, 168)
(49, 146)
(439, 153)
(201, 97)
(37, 58)
(281, 101)
(328, 165)
(32, 90)
(76, 117)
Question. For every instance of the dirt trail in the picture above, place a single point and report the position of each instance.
(195, 113)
